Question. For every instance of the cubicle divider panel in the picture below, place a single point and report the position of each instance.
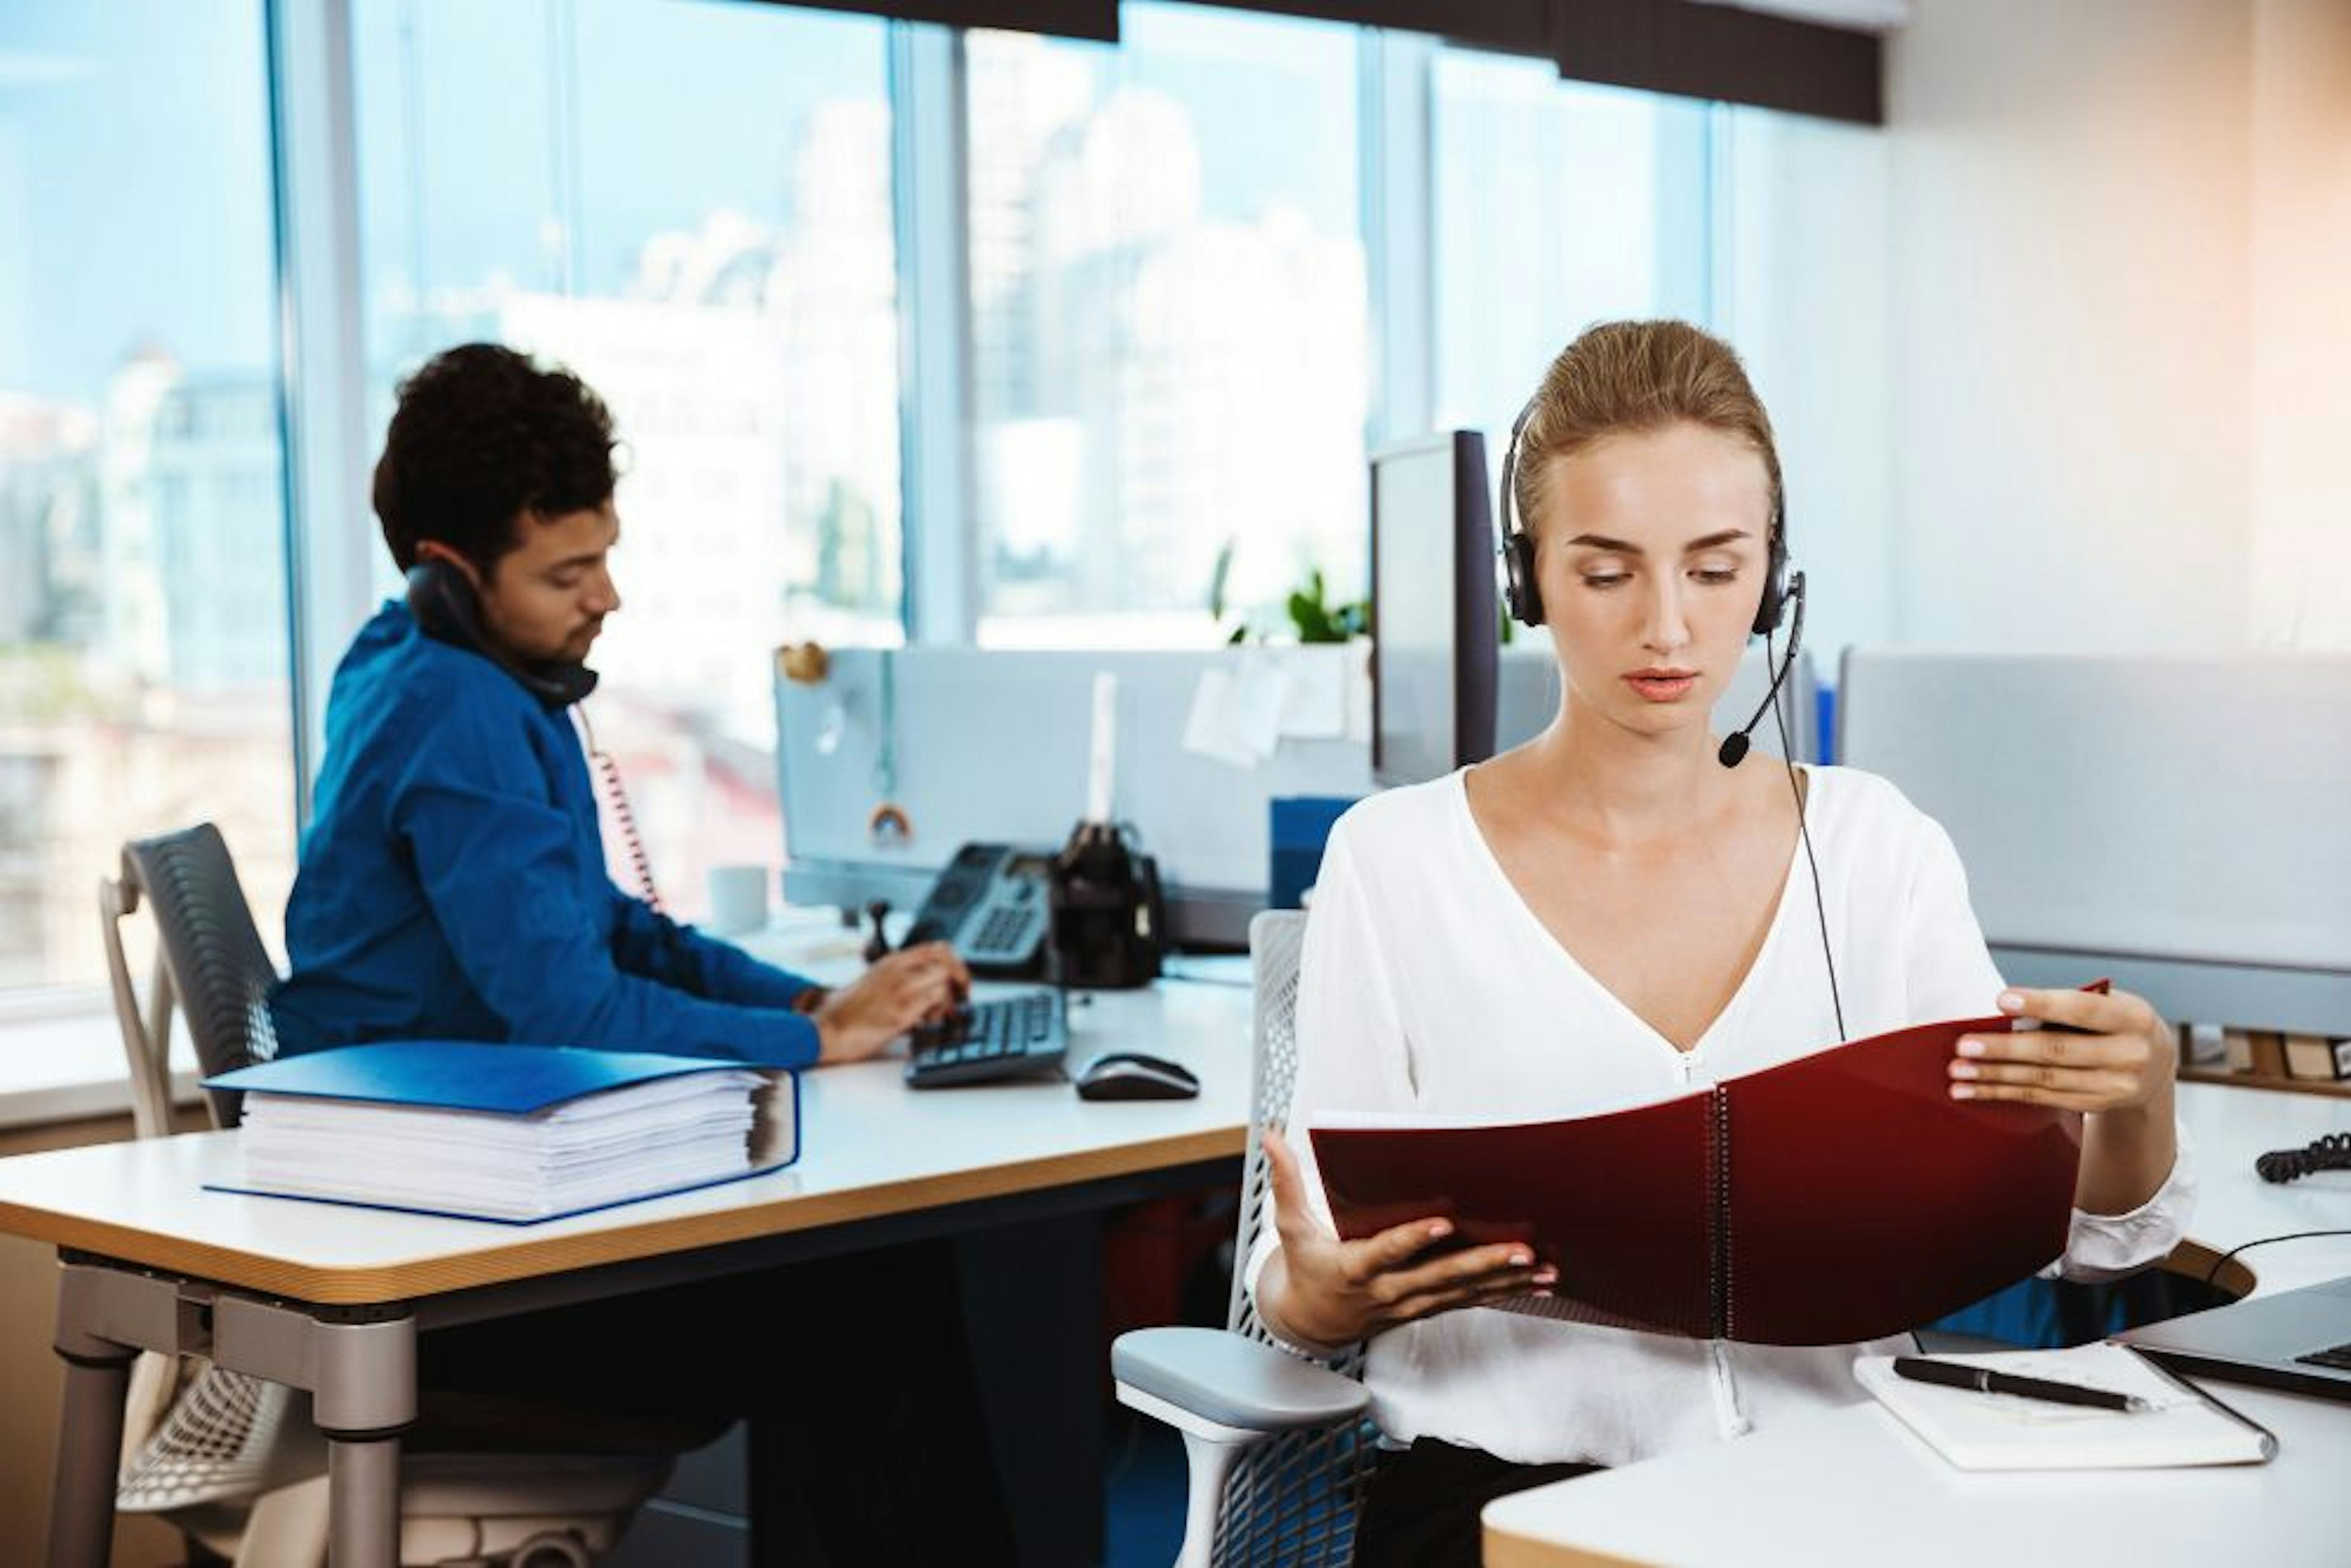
(994, 745)
(2179, 820)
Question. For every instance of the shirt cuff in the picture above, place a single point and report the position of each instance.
(2109, 1246)
(782, 1039)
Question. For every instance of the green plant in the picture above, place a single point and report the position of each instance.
(1312, 615)
(1319, 621)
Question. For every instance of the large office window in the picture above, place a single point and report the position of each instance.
(144, 648)
(690, 205)
(1169, 323)
(1556, 205)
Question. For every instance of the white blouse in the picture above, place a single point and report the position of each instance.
(1426, 984)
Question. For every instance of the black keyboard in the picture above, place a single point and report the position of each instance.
(2336, 1356)
(1007, 1037)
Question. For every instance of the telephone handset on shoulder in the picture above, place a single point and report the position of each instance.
(991, 904)
(445, 609)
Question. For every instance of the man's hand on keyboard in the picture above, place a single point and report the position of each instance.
(911, 986)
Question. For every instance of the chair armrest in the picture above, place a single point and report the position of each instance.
(1233, 1380)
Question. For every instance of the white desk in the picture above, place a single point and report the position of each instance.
(2228, 1125)
(331, 1298)
(1854, 1488)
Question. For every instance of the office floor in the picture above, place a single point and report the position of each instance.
(700, 1522)
(1142, 1494)
(1143, 1490)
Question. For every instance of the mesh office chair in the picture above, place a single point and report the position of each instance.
(228, 1458)
(1279, 1448)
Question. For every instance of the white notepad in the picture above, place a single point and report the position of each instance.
(2004, 1432)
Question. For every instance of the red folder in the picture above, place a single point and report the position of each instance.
(1843, 1196)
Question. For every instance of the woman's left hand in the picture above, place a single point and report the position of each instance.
(2111, 1053)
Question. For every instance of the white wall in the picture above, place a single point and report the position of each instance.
(2299, 415)
(2071, 289)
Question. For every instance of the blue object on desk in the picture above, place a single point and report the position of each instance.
(474, 1078)
(1300, 826)
(461, 1074)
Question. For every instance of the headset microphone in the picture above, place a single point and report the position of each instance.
(1735, 745)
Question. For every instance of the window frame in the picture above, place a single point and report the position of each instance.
(319, 354)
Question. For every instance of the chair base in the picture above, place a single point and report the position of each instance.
(457, 1510)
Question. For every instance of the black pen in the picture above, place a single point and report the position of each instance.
(1956, 1375)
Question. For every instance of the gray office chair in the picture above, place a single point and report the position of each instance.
(1278, 1446)
(228, 1458)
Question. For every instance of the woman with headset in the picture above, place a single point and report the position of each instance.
(1617, 910)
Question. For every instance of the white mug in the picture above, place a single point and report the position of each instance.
(738, 899)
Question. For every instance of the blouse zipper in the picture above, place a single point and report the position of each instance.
(1729, 1417)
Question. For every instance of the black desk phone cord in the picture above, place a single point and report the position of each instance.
(2331, 1152)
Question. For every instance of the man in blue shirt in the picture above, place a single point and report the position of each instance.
(453, 886)
(452, 879)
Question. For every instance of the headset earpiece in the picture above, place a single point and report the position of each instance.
(1521, 593)
(1774, 609)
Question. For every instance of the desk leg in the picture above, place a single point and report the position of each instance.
(366, 1399)
(363, 1502)
(89, 1445)
(359, 1364)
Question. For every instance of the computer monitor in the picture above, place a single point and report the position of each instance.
(1435, 608)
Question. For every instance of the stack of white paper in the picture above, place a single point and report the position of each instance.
(599, 1148)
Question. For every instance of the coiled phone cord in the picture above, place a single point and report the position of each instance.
(616, 798)
(2329, 1152)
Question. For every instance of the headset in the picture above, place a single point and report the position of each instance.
(1522, 595)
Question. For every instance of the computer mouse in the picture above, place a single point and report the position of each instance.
(1129, 1075)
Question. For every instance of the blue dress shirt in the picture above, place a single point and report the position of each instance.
(451, 884)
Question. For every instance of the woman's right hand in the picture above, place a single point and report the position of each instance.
(1317, 1289)
(912, 986)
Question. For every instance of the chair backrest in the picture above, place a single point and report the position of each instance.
(207, 950)
(1291, 1498)
(1276, 939)
(202, 1446)
(195, 1436)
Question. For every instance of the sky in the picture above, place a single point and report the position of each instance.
(134, 189)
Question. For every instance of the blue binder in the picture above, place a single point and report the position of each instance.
(462, 1074)
(511, 1080)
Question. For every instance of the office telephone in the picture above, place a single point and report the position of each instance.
(991, 904)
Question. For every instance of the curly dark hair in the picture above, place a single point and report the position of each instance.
(483, 435)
